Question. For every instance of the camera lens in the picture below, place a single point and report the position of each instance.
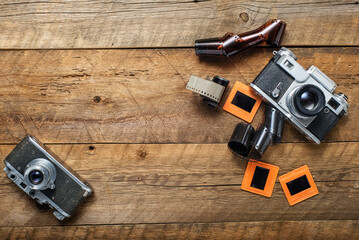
(308, 100)
(40, 174)
(36, 177)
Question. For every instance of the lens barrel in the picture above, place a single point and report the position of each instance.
(36, 177)
(40, 174)
(309, 100)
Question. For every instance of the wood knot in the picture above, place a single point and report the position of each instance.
(244, 16)
(96, 99)
(91, 148)
(141, 153)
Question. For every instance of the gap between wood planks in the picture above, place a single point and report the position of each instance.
(169, 48)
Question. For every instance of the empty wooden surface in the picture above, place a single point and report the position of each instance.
(156, 156)
(346, 229)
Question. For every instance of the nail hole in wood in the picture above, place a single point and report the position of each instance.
(96, 99)
(141, 153)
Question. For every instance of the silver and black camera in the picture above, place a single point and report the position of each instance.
(304, 97)
(45, 178)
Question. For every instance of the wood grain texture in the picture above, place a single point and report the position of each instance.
(154, 153)
(156, 23)
(184, 183)
(139, 96)
(330, 230)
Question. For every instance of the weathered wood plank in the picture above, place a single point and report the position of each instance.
(139, 96)
(166, 183)
(334, 229)
(199, 164)
(113, 24)
(126, 202)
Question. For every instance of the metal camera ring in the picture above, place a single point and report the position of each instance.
(290, 103)
(294, 105)
(342, 98)
(318, 101)
(286, 51)
(47, 172)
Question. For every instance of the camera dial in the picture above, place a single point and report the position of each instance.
(286, 51)
(40, 174)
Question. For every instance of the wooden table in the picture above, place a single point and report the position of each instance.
(102, 83)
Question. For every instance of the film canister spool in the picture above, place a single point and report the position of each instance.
(241, 139)
(212, 90)
(221, 81)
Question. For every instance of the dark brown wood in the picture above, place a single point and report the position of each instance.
(158, 23)
(150, 183)
(330, 230)
(137, 202)
(139, 96)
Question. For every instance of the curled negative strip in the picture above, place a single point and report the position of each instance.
(249, 144)
(270, 33)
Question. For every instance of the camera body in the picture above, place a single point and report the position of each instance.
(304, 97)
(45, 178)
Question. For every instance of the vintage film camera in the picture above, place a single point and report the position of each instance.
(45, 178)
(304, 97)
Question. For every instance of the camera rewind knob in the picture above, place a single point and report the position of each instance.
(343, 96)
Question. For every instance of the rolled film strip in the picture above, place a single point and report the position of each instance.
(206, 88)
(250, 143)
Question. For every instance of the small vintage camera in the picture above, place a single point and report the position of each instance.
(45, 178)
(304, 97)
